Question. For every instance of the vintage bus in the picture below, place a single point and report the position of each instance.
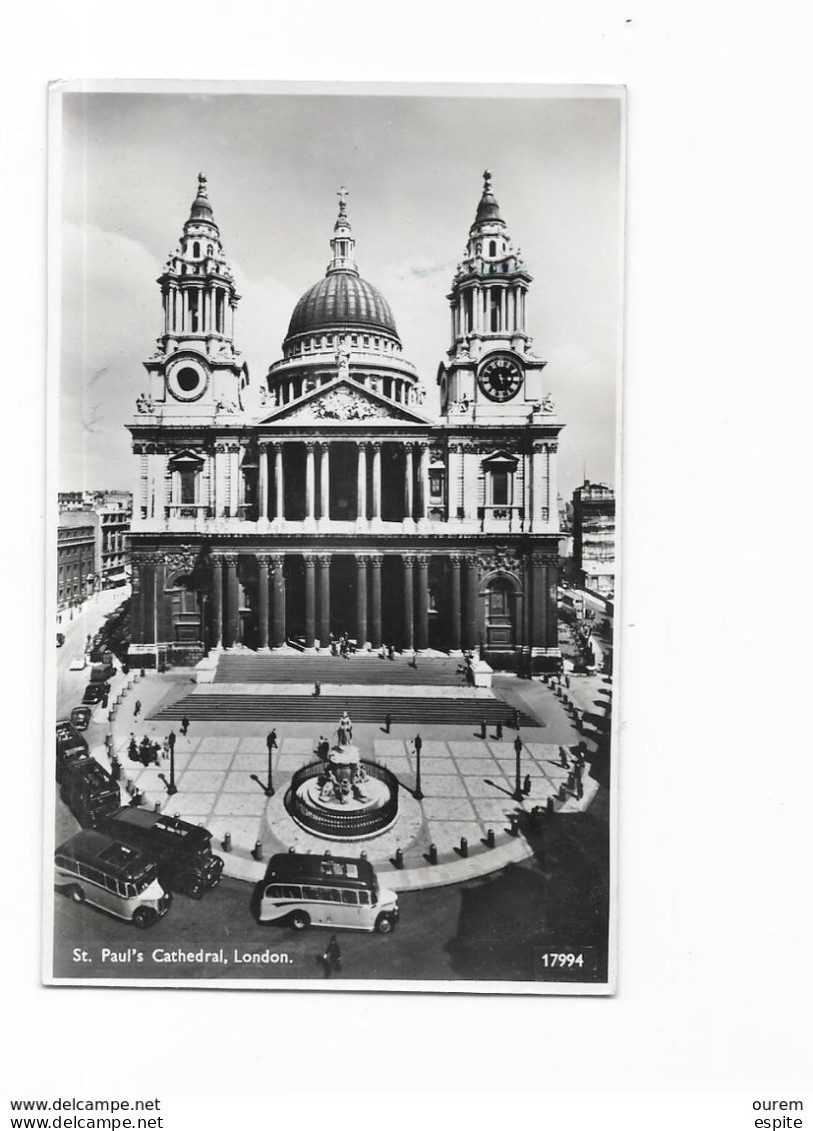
(95, 868)
(301, 890)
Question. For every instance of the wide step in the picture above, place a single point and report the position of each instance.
(429, 672)
(327, 708)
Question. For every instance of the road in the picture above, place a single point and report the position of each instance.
(496, 927)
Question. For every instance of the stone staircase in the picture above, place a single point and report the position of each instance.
(253, 668)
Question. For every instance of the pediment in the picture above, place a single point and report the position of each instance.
(343, 402)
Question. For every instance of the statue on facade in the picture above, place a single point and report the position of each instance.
(343, 358)
(547, 404)
(144, 403)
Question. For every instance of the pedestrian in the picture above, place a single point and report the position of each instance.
(415, 658)
(516, 720)
(526, 785)
(132, 749)
(171, 741)
(518, 745)
(418, 743)
(387, 722)
(333, 955)
(346, 724)
(323, 749)
(391, 651)
(184, 725)
(563, 757)
(317, 689)
(271, 741)
(137, 709)
(165, 749)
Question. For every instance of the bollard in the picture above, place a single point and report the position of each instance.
(464, 846)
(563, 792)
(514, 819)
(115, 768)
(579, 789)
(433, 854)
(257, 850)
(157, 807)
(483, 729)
(129, 787)
(226, 842)
(499, 730)
(549, 805)
(291, 851)
(490, 838)
(563, 762)
(399, 858)
(571, 780)
(363, 854)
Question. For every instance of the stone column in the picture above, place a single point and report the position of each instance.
(422, 619)
(375, 601)
(361, 496)
(310, 480)
(471, 584)
(279, 481)
(263, 458)
(361, 600)
(310, 600)
(217, 599)
(553, 500)
(408, 561)
(324, 488)
(409, 501)
(148, 587)
(232, 601)
(278, 630)
(263, 560)
(376, 480)
(454, 601)
(323, 561)
(423, 466)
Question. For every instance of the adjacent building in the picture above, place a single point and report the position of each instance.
(104, 517)
(594, 537)
(76, 556)
(338, 506)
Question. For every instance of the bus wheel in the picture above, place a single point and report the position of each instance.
(383, 924)
(76, 893)
(144, 917)
(299, 920)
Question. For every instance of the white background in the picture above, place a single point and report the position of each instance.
(714, 998)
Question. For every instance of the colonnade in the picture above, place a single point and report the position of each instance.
(368, 473)
(366, 614)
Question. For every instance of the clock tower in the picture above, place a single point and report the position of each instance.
(491, 374)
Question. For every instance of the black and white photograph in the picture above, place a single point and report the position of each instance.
(336, 536)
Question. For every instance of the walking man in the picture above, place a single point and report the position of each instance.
(387, 722)
(526, 785)
(184, 725)
(132, 749)
(137, 709)
(271, 741)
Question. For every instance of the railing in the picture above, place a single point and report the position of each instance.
(510, 518)
(354, 824)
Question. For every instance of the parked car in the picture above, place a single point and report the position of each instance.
(80, 717)
(78, 663)
(95, 692)
(182, 851)
(100, 673)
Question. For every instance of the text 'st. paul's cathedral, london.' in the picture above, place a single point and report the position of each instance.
(334, 507)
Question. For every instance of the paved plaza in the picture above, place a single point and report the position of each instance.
(467, 781)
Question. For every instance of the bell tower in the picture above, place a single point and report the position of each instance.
(195, 370)
(491, 375)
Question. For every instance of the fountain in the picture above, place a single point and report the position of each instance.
(343, 796)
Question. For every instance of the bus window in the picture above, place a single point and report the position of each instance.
(349, 897)
(364, 897)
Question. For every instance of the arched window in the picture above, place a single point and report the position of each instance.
(195, 249)
(492, 247)
(210, 249)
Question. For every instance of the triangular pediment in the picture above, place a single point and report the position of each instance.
(343, 402)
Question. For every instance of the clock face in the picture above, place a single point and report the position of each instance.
(500, 379)
(187, 380)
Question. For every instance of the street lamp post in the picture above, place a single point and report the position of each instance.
(267, 788)
(518, 794)
(171, 786)
(418, 744)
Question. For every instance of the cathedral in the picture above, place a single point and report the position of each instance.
(331, 505)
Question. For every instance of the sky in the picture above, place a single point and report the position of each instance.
(413, 168)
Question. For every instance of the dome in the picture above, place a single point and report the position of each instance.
(342, 300)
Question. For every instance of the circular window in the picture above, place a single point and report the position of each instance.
(188, 379)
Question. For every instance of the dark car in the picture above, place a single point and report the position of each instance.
(100, 673)
(95, 692)
(80, 717)
(183, 852)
